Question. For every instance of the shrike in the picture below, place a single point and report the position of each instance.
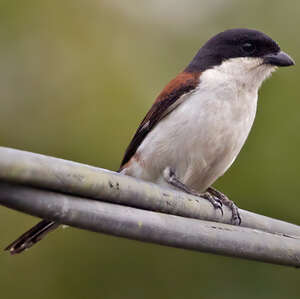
(199, 122)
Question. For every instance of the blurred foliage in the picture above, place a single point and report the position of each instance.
(76, 77)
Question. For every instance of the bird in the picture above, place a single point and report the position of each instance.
(199, 122)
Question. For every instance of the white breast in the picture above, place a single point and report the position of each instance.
(201, 138)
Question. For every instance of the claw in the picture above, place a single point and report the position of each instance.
(221, 209)
(236, 219)
(217, 206)
(216, 202)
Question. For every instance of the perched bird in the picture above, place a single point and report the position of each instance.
(199, 122)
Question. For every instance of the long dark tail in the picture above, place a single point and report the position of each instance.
(32, 236)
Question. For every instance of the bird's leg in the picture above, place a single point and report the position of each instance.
(236, 218)
(172, 179)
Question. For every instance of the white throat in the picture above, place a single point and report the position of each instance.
(248, 72)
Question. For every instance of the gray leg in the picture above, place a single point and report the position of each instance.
(236, 218)
(173, 180)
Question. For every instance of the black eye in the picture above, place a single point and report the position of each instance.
(248, 48)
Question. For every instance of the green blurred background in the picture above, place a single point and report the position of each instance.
(76, 77)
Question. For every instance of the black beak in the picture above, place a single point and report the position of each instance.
(278, 59)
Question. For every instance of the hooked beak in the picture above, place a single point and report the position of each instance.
(278, 59)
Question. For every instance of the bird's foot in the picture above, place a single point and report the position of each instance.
(172, 179)
(236, 218)
(215, 201)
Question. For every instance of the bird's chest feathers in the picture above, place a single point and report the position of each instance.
(217, 116)
(205, 132)
(203, 135)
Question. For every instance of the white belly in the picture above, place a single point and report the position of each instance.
(201, 138)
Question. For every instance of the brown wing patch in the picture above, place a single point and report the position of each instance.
(183, 83)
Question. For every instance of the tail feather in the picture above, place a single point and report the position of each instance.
(32, 236)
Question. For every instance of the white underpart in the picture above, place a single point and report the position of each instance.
(202, 137)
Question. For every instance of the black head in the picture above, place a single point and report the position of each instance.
(235, 43)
